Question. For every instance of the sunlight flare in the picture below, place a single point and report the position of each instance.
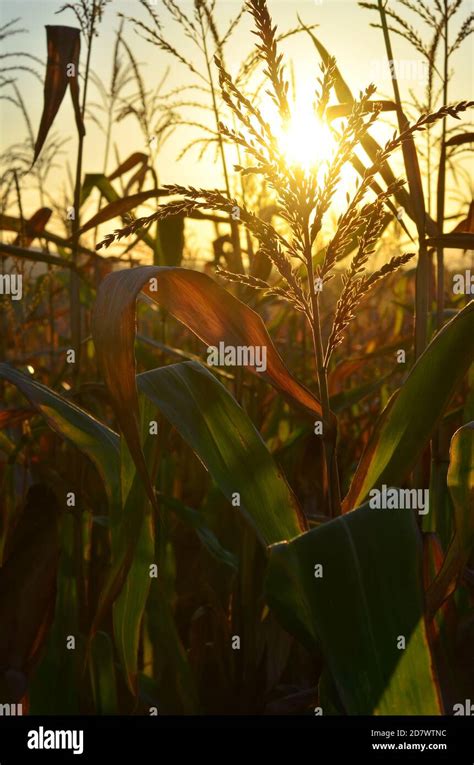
(306, 142)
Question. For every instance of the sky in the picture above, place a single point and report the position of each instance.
(343, 27)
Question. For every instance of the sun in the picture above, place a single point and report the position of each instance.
(309, 144)
(306, 142)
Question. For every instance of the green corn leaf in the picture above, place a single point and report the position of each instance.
(103, 680)
(411, 416)
(214, 425)
(370, 595)
(93, 438)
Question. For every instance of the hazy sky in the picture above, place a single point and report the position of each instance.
(343, 28)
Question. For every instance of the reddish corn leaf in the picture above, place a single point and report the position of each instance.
(460, 140)
(64, 45)
(208, 310)
(466, 226)
(34, 227)
(134, 159)
(120, 207)
(432, 558)
(137, 178)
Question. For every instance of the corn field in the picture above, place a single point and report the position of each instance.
(236, 346)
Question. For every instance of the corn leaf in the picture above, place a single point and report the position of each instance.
(133, 547)
(411, 416)
(54, 684)
(137, 158)
(197, 520)
(64, 45)
(212, 313)
(103, 681)
(120, 207)
(370, 595)
(461, 487)
(33, 227)
(90, 436)
(214, 425)
(459, 241)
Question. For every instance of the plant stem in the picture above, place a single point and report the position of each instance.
(437, 441)
(441, 189)
(416, 193)
(234, 228)
(20, 209)
(329, 431)
(75, 284)
(422, 281)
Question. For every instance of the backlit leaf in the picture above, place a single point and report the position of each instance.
(212, 313)
(214, 425)
(369, 595)
(64, 45)
(89, 435)
(405, 426)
